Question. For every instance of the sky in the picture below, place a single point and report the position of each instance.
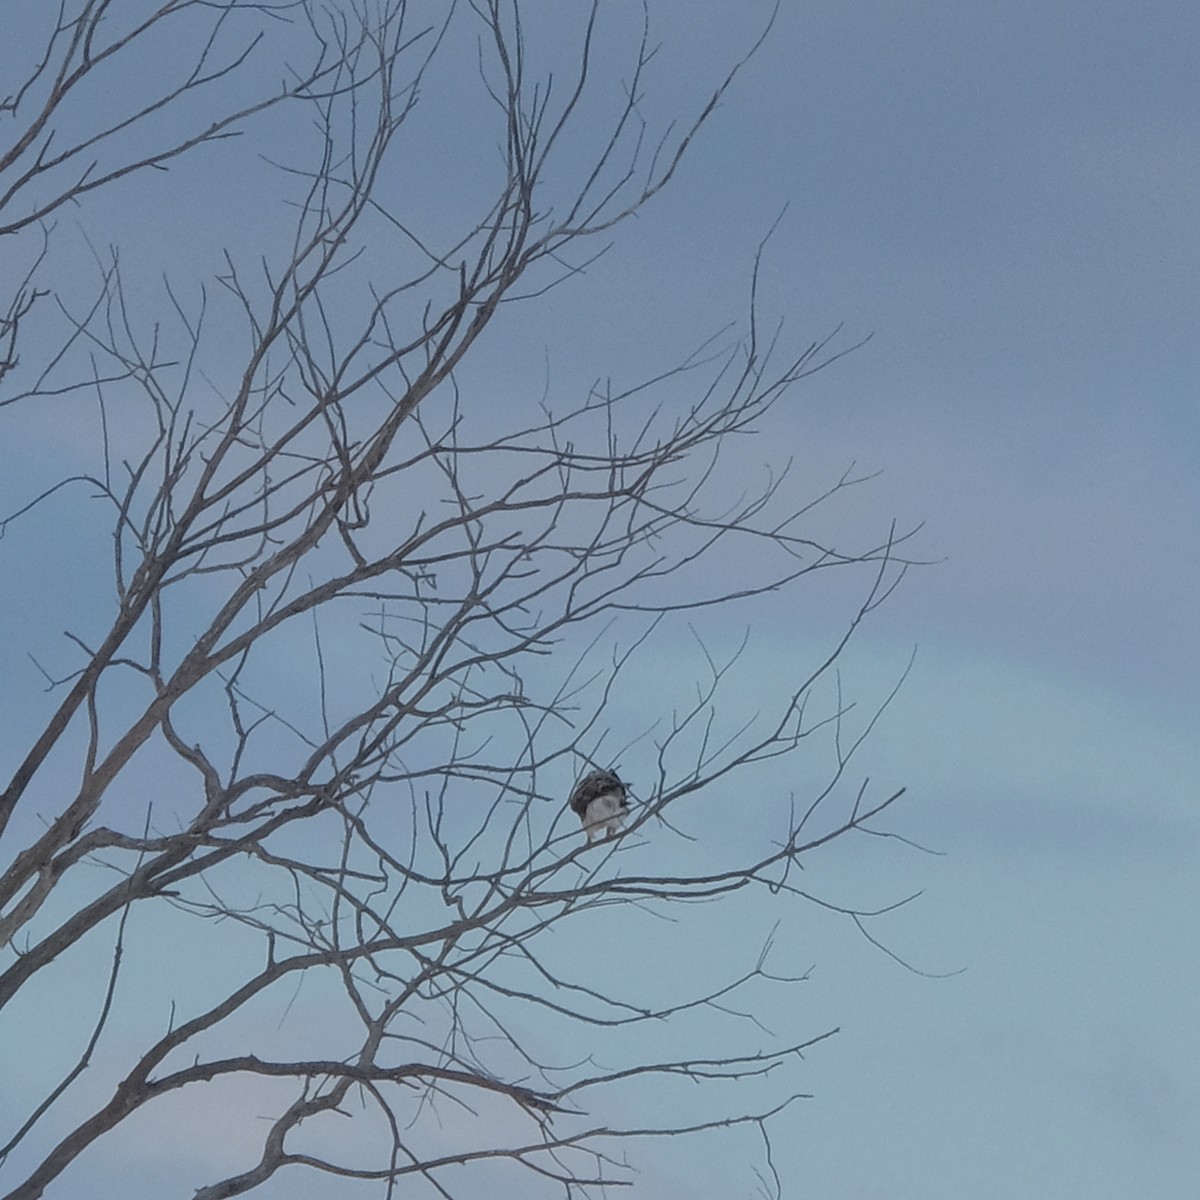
(1003, 195)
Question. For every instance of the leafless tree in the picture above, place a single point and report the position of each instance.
(365, 625)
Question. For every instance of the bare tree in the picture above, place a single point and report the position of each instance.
(365, 626)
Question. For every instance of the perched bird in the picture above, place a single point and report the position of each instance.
(599, 802)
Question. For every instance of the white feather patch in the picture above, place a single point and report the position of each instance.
(605, 814)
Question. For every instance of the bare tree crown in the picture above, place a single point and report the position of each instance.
(363, 629)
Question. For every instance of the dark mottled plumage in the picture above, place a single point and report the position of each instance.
(599, 801)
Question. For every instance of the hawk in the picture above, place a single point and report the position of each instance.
(599, 801)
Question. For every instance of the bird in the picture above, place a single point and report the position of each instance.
(599, 801)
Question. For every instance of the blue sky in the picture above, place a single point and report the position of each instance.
(1004, 195)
